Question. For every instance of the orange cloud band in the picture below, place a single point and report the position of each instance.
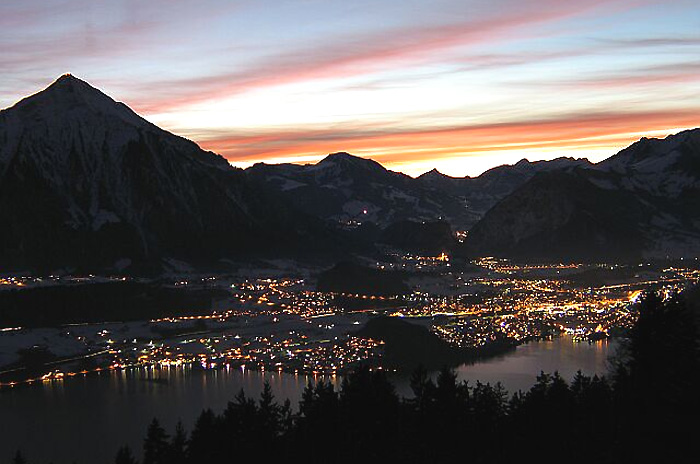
(401, 146)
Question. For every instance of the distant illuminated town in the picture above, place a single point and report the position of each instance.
(284, 324)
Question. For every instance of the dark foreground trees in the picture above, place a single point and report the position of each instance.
(645, 412)
(656, 381)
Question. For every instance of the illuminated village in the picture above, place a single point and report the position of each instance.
(285, 325)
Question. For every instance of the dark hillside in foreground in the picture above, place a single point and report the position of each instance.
(408, 345)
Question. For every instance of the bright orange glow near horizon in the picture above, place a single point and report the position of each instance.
(460, 151)
(457, 85)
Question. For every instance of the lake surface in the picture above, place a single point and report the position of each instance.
(86, 419)
(518, 370)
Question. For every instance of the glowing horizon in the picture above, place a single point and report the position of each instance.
(460, 86)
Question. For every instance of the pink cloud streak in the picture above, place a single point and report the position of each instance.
(354, 56)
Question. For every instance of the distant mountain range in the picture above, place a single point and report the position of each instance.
(348, 190)
(87, 184)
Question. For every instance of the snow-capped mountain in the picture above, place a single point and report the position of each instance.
(660, 167)
(348, 190)
(85, 182)
(643, 202)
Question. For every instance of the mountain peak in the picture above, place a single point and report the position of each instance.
(82, 178)
(70, 83)
(341, 156)
(68, 77)
(433, 174)
(68, 97)
(345, 160)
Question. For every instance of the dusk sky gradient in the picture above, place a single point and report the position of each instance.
(460, 86)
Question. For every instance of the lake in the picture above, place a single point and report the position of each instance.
(86, 419)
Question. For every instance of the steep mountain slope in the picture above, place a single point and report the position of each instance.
(86, 183)
(642, 202)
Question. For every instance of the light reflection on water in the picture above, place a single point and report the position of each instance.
(518, 370)
(87, 419)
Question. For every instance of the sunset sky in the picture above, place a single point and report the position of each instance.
(461, 86)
